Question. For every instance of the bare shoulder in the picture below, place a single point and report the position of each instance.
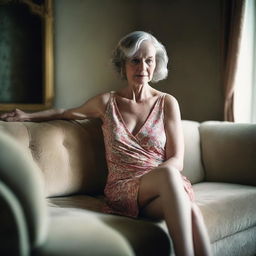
(170, 102)
(103, 98)
(93, 108)
(171, 108)
(100, 102)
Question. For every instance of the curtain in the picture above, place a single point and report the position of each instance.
(233, 15)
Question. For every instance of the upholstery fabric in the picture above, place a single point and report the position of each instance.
(193, 168)
(61, 164)
(14, 233)
(114, 235)
(22, 176)
(67, 154)
(239, 244)
(229, 152)
(227, 208)
(83, 233)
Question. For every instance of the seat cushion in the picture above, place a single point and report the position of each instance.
(81, 232)
(142, 237)
(227, 208)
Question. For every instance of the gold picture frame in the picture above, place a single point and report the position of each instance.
(26, 55)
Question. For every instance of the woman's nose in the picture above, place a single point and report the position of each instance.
(142, 65)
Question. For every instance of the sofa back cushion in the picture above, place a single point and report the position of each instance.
(193, 168)
(229, 152)
(71, 154)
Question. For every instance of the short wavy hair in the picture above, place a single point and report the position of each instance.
(129, 45)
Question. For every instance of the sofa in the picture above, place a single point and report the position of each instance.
(52, 176)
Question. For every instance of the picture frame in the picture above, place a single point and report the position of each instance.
(26, 55)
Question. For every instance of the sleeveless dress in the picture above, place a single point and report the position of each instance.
(129, 156)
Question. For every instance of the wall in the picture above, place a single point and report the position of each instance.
(87, 31)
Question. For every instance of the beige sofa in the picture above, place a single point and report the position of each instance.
(52, 180)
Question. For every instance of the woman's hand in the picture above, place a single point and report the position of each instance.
(16, 115)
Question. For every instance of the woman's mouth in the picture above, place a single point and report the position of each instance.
(141, 75)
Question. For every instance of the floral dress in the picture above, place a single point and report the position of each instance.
(131, 156)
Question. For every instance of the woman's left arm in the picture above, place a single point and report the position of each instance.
(174, 134)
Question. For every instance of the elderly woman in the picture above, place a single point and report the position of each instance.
(144, 144)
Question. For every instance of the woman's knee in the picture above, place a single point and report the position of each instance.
(196, 213)
(168, 174)
(153, 183)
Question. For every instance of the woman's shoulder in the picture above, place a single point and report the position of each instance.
(104, 97)
(98, 104)
(171, 105)
(170, 99)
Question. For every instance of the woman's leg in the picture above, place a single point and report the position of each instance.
(168, 185)
(202, 245)
(162, 194)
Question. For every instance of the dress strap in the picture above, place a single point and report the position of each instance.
(110, 101)
(162, 100)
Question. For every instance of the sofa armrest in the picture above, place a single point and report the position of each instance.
(21, 193)
(229, 152)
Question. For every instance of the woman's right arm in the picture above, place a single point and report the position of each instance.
(93, 108)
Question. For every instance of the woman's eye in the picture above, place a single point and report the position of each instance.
(149, 61)
(135, 61)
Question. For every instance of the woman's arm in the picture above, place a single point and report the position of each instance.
(174, 134)
(93, 108)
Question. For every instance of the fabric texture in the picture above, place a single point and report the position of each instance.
(20, 176)
(129, 156)
(228, 209)
(75, 225)
(229, 152)
(233, 20)
(193, 168)
(69, 154)
(79, 233)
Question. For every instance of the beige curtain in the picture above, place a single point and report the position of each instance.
(233, 14)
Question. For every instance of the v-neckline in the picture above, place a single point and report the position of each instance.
(144, 123)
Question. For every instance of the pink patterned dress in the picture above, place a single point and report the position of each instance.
(131, 156)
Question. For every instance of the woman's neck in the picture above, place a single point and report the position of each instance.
(139, 92)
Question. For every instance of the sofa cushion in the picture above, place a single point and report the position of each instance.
(76, 232)
(227, 208)
(18, 177)
(100, 234)
(229, 152)
(85, 202)
(69, 154)
(193, 167)
(239, 244)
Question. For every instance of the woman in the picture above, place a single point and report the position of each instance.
(144, 144)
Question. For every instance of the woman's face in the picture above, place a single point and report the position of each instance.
(140, 68)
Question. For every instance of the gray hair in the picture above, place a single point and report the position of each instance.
(129, 45)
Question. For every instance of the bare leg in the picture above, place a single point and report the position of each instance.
(167, 184)
(202, 243)
(163, 188)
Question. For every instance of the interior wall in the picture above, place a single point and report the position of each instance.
(86, 31)
(191, 32)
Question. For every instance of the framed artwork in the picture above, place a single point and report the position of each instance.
(26, 54)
